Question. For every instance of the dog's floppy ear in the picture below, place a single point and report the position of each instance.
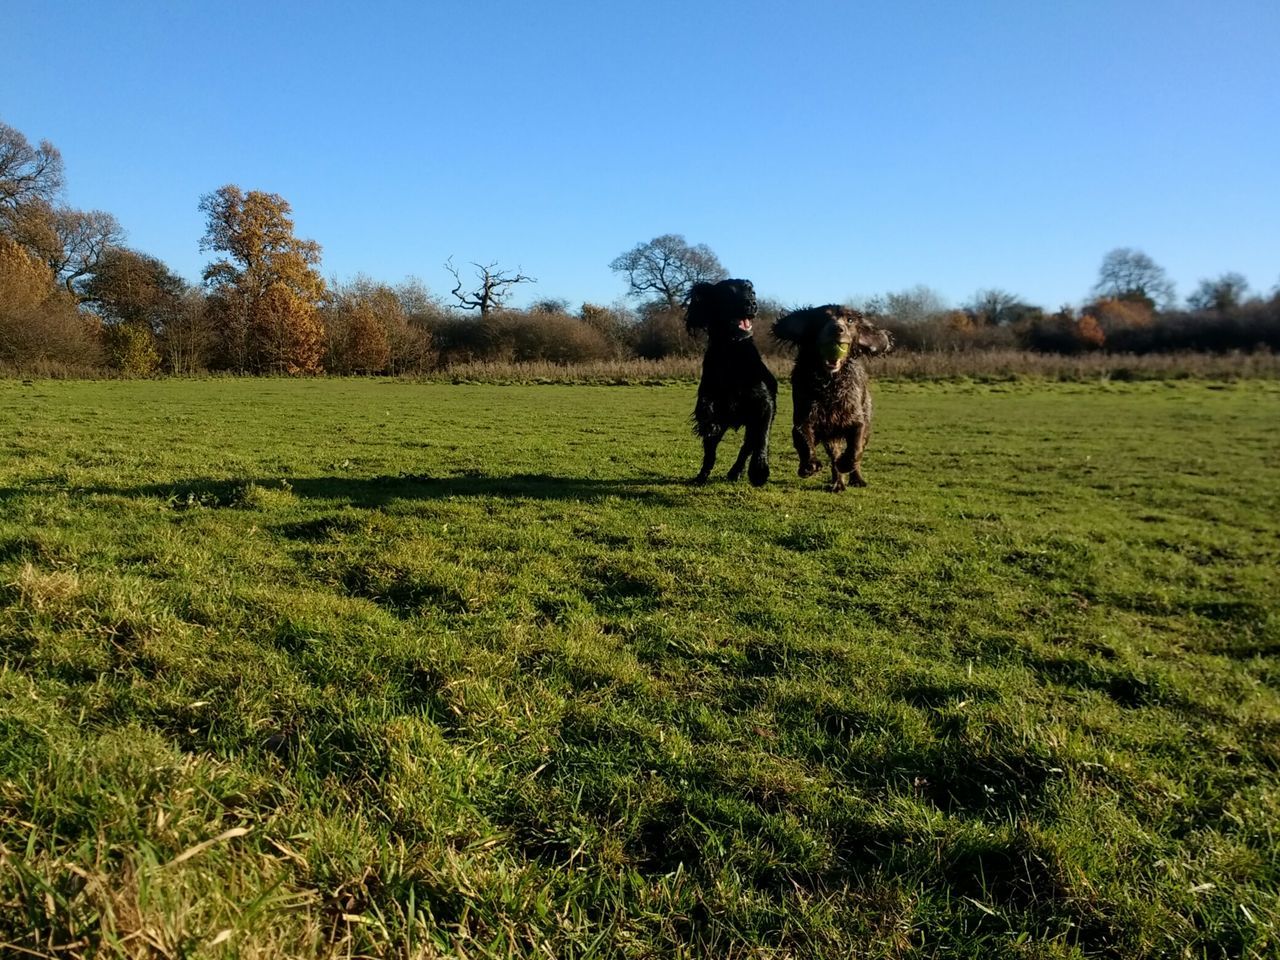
(801, 326)
(697, 311)
(870, 338)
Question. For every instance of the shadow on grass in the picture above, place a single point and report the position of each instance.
(380, 490)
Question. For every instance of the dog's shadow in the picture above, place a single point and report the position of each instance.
(379, 491)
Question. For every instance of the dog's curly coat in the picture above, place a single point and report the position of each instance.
(829, 387)
(737, 389)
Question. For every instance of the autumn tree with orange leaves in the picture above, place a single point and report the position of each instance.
(39, 322)
(370, 327)
(265, 291)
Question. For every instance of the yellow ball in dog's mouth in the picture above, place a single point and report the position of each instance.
(836, 350)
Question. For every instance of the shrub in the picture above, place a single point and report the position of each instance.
(613, 323)
(1253, 326)
(516, 336)
(661, 333)
(369, 328)
(1115, 315)
(1062, 332)
(521, 337)
(132, 349)
(39, 322)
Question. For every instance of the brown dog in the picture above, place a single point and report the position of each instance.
(832, 402)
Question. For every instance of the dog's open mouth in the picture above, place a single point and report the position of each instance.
(834, 355)
(745, 324)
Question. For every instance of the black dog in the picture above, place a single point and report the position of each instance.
(829, 387)
(737, 389)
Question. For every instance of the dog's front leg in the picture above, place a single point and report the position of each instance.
(802, 437)
(709, 445)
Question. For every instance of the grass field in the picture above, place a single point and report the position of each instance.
(325, 668)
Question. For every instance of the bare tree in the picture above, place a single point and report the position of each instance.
(493, 291)
(667, 267)
(27, 173)
(189, 338)
(991, 306)
(70, 241)
(1128, 274)
(84, 237)
(1223, 293)
(916, 305)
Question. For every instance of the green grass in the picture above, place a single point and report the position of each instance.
(353, 667)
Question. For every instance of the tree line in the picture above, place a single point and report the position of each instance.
(74, 296)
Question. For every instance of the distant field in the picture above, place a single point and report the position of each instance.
(331, 668)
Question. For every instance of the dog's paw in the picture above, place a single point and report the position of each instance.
(699, 481)
(837, 485)
(733, 474)
(758, 474)
(810, 468)
(857, 481)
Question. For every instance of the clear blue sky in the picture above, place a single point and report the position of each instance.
(825, 150)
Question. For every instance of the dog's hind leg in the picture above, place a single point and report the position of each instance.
(709, 445)
(834, 453)
(738, 465)
(757, 444)
(851, 460)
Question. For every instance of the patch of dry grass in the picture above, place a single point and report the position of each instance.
(905, 365)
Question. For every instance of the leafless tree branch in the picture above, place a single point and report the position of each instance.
(494, 286)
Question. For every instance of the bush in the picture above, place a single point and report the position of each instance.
(1113, 316)
(520, 337)
(952, 331)
(132, 349)
(1253, 326)
(613, 323)
(369, 328)
(661, 333)
(39, 322)
(515, 336)
(1062, 332)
